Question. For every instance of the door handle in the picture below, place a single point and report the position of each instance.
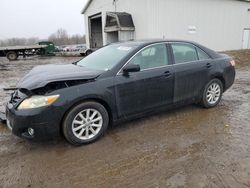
(167, 74)
(209, 65)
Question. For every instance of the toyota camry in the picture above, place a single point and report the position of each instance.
(118, 82)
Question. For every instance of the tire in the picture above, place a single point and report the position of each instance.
(12, 56)
(212, 94)
(78, 117)
(88, 52)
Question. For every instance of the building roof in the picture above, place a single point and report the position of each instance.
(90, 1)
(86, 6)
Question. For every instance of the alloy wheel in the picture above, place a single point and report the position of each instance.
(87, 124)
(213, 93)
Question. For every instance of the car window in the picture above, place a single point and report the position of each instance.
(184, 53)
(148, 52)
(107, 57)
(151, 57)
(202, 55)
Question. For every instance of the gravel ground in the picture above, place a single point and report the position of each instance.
(186, 147)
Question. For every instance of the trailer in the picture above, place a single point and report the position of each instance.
(13, 52)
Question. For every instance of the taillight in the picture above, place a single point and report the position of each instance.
(233, 63)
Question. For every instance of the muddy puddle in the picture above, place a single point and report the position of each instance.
(186, 147)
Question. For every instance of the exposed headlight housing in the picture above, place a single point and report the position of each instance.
(37, 102)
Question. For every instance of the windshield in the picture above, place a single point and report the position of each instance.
(106, 58)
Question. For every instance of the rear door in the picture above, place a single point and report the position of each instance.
(191, 67)
(151, 87)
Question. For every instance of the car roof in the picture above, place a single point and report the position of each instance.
(152, 41)
(142, 43)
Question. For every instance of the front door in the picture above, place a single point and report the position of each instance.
(151, 87)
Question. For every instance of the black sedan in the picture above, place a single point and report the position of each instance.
(118, 82)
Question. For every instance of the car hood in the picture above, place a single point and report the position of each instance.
(40, 76)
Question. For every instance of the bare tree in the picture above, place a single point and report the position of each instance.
(77, 39)
(18, 41)
(60, 37)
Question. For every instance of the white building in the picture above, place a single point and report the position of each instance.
(218, 24)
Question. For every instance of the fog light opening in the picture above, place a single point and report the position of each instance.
(31, 131)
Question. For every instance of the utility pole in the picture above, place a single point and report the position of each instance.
(114, 3)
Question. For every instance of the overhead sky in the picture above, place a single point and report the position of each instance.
(40, 18)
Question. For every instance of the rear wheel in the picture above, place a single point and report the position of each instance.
(85, 123)
(88, 52)
(212, 94)
(12, 56)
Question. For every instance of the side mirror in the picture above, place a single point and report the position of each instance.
(131, 68)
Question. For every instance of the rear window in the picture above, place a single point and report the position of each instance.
(184, 53)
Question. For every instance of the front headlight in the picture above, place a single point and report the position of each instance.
(37, 101)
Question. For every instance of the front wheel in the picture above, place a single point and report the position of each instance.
(85, 123)
(212, 94)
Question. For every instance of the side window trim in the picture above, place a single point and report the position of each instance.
(197, 54)
(187, 43)
(167, 51)
(196, 47)
(170, 54)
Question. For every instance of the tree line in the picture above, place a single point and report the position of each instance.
(60, 37)
(18, 41)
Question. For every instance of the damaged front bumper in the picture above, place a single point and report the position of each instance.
(44, 122)
(38, 120)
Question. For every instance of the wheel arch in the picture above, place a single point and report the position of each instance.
(222, 79)
(215, 76)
